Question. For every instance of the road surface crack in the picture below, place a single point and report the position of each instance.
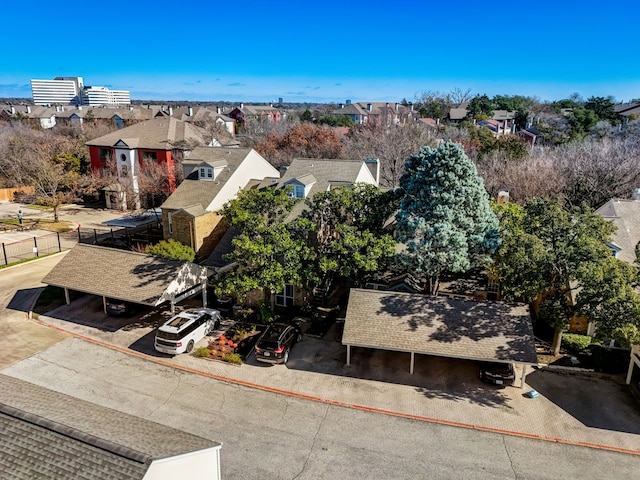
(506, 449)
(313, 443)
(178, 375)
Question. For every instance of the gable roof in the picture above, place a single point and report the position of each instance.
(160, 133)
(624, 214)
(447, 327)
(193, 191)
(49, 435)
(124, 275)
(325, 172)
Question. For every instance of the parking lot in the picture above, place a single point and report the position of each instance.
(570, 408)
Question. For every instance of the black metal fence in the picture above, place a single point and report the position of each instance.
(123, 238)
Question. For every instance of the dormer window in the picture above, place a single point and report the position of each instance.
(298, 191)
(206, 173)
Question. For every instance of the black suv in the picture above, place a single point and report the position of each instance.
(275, 343)
(497, 373)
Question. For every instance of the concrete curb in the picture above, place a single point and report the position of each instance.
(342, 404)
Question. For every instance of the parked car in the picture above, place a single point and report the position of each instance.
(120, 308)
(182, 331)
(497, 373)
(275, 344)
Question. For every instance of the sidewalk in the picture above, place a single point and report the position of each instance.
(316, 371)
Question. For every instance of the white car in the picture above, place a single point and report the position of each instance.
(182, 331)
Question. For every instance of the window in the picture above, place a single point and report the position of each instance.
(206, 173)
(285, 297)
(123, 157)
(149, 156)
(297, 191)
(104, 154)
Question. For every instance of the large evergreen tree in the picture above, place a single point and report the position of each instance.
(445, 220)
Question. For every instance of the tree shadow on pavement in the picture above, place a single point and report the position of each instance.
(597, 402)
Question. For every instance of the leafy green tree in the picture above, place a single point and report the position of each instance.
(545, 250)
(172, 249)
(267, 252)
(445, 220)
(344, 228)
(480, 105)
(603, 108)
(336, 121)
(306, 116)
(581, 121)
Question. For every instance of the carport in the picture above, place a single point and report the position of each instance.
(441, 326)
(127, 276)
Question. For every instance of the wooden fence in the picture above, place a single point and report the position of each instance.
(7, 193)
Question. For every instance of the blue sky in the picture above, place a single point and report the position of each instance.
(325, 51)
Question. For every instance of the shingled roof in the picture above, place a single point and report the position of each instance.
(124, 275)
(49, 435)
(196, 192)
(160, 133)
(447, 327)
(624, 214)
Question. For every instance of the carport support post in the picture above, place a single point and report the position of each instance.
(104, 304)
(524, 375)
(413, 361)
(348, 355)
(66, 296)
(204, 293)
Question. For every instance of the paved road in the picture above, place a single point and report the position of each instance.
(19, 288)
(266, 435)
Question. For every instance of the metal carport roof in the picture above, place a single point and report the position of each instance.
(129, 276)
(446, 327)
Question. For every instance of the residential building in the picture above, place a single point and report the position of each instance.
(258, 112)
(125, 152)
(212, 177)
(50, 435)
(625, 215)
(36, 116)
(380, 113)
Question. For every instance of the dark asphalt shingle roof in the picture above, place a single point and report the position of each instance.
(49, 435)
(439, 326)
(124, 275)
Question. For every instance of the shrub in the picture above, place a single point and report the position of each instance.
(575, 343)
(172, 249)
(232, 358)
(265, 314)
(203, 352)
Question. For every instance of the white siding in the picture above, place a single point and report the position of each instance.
(254, 166)
(201, 464)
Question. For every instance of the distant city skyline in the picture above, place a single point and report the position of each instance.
(327, 53)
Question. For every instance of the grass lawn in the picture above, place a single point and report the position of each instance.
(42, 223)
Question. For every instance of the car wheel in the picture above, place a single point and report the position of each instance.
(285, 359)
(190, 346)
(299, 338)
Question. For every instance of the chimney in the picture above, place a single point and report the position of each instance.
(411, 107)
(218, 110)
(131, 108)
(341, 105)
(387, 105)
(170, 111)
(241, 106)
(190, 111)
(635, 195)
(368, 107)
(503, 196)
(13, 110)
(28, 109)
